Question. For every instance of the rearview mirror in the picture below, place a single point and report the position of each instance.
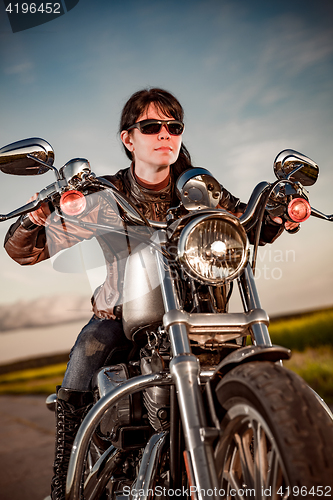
(14, 157)
(290, 164)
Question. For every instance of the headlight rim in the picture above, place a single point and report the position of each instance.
(190, 227)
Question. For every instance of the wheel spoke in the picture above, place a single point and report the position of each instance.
(243, 443)
(260, 458)
(251, 459)
(234, 482)
(272, 475)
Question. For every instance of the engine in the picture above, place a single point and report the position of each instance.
(156, 399)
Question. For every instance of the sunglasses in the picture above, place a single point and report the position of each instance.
(151, 127)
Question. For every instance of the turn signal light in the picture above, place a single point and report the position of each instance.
(299, 210)
(73, 202)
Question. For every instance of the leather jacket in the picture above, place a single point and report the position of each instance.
(28, 244)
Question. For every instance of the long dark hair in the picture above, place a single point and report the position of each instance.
(165, 102)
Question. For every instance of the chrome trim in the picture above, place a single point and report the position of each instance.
(198, 323)
(197, 188)
(190, 227)
(242, 420)
(89, 424)
(243, 354)
(149, 463)
(76, 168)
(178, 332)
(251, 301)
(295, 166)
(21, 157)
(51, 402)
(156, 224)
(206, 375)
(320, 215)
(33, 205)
(109, 377)
(101, 472)
(248, 219)
(185, 371)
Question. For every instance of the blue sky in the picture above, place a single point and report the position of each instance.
(253, 77)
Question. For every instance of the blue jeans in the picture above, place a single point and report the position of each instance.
(91, 351)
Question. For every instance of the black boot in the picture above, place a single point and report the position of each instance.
(71, 408)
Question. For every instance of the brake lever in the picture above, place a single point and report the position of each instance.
(320, 215)
(43, 195)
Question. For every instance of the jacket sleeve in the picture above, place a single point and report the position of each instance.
(28, 244)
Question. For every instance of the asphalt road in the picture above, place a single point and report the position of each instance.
(27, 430)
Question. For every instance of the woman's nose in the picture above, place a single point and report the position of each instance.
(164, 132)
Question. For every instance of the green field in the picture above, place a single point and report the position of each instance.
(308, 330)
(309, 335)
(33, 381)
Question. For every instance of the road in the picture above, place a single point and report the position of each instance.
(26, 447)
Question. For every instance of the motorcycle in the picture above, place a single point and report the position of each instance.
(202, 406)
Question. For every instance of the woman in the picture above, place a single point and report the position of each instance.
(151, 130)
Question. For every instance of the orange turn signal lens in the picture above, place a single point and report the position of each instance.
(73, 202)
(299, 210)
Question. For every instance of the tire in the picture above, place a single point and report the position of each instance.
(276, 439)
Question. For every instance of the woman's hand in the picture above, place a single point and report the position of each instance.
(40, 215)
(288, 224)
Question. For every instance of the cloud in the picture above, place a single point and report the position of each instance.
(293, 46)
(17, 69)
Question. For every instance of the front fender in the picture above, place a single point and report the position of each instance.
(242, 355)
(250, 353)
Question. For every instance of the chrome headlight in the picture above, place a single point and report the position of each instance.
(213, 248)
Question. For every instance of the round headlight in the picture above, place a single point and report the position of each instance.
(213, 248)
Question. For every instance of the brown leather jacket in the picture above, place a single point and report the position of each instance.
(28, 244)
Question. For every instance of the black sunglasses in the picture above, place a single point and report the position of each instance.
(150, 127)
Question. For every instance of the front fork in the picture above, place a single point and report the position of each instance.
(185, 372)
(250, 299)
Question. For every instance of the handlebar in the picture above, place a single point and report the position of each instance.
(29, 207)
(248, 219)
(320, 215)
(42, 197)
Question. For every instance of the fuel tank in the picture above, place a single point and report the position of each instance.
(142, 298)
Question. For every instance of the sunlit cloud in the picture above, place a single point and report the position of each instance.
(19, 69)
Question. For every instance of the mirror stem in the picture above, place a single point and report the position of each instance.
(50, 167)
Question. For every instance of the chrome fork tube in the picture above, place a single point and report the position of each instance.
(250, 299)
(185, 371)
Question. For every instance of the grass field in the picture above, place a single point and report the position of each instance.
(303, 331)
(310, 336)
(34, 381)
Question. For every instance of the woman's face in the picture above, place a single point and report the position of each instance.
(156, 150)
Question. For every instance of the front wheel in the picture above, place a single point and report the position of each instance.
(276, 440)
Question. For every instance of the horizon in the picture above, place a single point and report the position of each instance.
(253, 78)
